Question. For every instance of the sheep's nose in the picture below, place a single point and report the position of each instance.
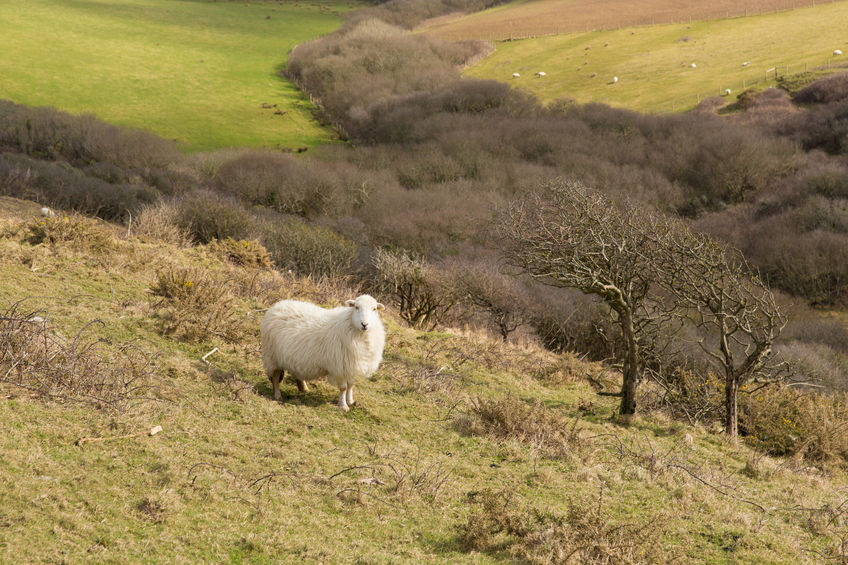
(364, 325)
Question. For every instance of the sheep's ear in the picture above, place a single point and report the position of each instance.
(350, 303)
(380, 306)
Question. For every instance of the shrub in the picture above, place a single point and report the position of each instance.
(160, 222)
(514, 419)
(309, 249)
(38, 359)
(587, 533)
(207, 215)
(826, 90)
(76, 231)
(59, 185)
(782, 421)
(195, 305)
(242, 252)
(417, 290)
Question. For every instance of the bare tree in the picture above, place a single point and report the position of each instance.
(714, 288)
(500, 296)
(417, 290)
(569, 236)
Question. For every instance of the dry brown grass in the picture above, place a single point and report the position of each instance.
(586, 533)
(510, 418)
(547, 17)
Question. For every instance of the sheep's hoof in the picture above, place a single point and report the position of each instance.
(344, 407)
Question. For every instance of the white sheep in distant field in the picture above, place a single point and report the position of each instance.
(837, 51)
(727, 92)
(745, 64)
(614, 80)
(541, 74)
(516, 75)
(342, 344)
(47, 212)
(693, 65)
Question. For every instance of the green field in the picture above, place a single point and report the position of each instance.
(195, 71)
(653, 63)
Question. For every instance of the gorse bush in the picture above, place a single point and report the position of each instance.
(782, 421)
(242, 252)
(194, 305)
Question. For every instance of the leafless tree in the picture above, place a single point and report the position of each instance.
(714, 288)
(500, 296)
(417, 290)
(569, 236)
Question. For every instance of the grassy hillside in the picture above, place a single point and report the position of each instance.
(653, 64)
(195, 71)
(530, 18)
(461, 449)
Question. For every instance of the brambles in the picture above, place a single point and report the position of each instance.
(37, 359)
(587, 533)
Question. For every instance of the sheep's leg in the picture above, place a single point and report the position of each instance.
(276, 376)
(349, 395)
(342, 395)
(302, 386)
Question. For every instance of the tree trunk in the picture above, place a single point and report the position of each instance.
(630, 368)
(731, 388)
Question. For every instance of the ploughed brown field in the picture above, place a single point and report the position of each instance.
(545, 17)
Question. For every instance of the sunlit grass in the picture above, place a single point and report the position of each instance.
(194, 71)
(654, 64)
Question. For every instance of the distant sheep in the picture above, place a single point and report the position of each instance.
(614, 80)
(693, 65)
(47, 212)
(745, 64)
(516, 75)
(837, 51)
(541, 74)
(727, 92)
(342, 344)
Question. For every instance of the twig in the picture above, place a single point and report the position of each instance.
(151, 432)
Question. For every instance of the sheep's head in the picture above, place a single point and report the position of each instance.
(365, 312)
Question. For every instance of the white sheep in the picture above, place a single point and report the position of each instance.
(614, 80)
(516, 75)
(541, 74)
(310, 342)
(47, 212)
(693, 65)
(727, 91)
(837, 51)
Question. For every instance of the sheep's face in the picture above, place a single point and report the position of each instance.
(365, 312)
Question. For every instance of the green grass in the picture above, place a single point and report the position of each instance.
(235, 477)
(190, 70)
(653, 64)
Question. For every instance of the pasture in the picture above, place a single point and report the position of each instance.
(532, 18)
(671, 67)
(194, 71)
(457, 445)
